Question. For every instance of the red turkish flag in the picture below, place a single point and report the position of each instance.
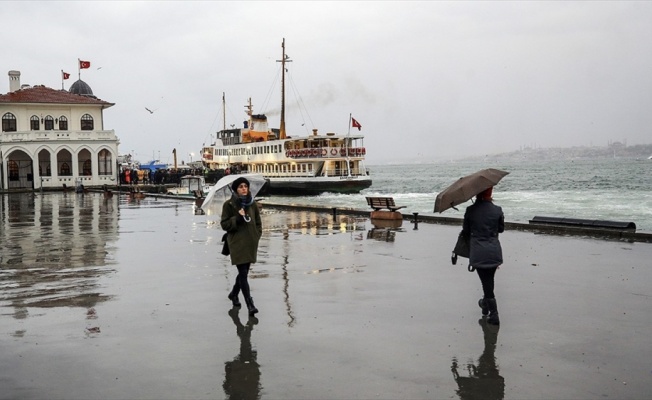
(65, 75)
(84, 64)
(355, 124)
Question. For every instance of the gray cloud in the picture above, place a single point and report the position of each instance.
(450, 79)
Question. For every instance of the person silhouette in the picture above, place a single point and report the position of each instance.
(483, 380)
(242, 374)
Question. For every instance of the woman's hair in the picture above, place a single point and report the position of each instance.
(485, 194)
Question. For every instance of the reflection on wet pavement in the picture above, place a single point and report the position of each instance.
(482, 380)
(129, 298)
(242, 374)
(54, 249)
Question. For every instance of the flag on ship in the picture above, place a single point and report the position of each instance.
(355, 124)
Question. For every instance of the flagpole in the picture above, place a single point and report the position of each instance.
(79, 69)
(350, 116)
(61, 79)
(348, 162)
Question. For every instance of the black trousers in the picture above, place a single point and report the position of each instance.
(487, 279)
(241, 282)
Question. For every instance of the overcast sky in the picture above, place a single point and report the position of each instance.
(428, 81)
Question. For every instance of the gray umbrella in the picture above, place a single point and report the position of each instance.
(466, 187)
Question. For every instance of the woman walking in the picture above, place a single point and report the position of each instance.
(241, 220)
(483, 221)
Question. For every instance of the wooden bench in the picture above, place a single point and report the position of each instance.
(379, 203)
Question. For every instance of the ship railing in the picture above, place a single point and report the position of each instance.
(343, 173)
(328, 172)
(326, 152)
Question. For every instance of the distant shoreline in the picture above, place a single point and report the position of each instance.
(616, 150)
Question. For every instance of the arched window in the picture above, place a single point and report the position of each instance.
(86, 122)
(65, 169)
(63, 123)
(34, 123)
(86, 168)
(12, 166)
(9, 122)
(49, 123)
(105, 163)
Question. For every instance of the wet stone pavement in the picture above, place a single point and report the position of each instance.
(118, 299)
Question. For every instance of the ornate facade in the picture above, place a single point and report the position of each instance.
(51, 138)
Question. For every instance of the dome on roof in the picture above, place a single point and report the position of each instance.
(82, 88)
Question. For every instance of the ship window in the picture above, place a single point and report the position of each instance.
(9, 122)
(34, 123)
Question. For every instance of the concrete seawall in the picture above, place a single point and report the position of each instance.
(626, 235)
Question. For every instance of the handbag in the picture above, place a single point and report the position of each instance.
(225, 246)
(461, 249)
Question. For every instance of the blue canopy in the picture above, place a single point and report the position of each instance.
(153, 166)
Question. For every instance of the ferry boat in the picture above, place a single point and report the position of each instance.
(306, 165)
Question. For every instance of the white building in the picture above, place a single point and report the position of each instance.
(51, 138)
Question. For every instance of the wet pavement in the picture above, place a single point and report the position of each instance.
(117, 299)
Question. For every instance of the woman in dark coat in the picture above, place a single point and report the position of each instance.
(241, 220)
(483, 221)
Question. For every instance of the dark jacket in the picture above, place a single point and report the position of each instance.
(483, 221)
(242, 236)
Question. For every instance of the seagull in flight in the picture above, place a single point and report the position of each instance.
(150, 111)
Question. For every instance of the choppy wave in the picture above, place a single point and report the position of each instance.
(607, 189)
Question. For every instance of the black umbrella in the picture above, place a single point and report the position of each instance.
(466, 187)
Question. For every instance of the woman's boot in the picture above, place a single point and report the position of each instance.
(233, 296)
(483, 305)
(493, 312)
(250, 305)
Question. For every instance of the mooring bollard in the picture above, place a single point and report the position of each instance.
(416, 221)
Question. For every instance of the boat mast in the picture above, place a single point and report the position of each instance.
(223, 112)
(283, 60)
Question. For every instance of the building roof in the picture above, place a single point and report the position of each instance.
(46, 95)
(81, 87)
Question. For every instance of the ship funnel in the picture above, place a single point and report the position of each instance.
(314, 132)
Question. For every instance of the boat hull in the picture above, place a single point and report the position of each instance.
(315, 186)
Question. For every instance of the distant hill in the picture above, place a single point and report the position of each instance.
(618, 150)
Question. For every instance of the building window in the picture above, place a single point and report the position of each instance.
(63, 123)
(87, 122)
(12, 166)
(49, 123)
(9, 122)
(34, 123)
(105, 163)
(65, 169)
(86, 168)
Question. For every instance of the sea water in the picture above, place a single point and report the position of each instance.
(598, 189)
